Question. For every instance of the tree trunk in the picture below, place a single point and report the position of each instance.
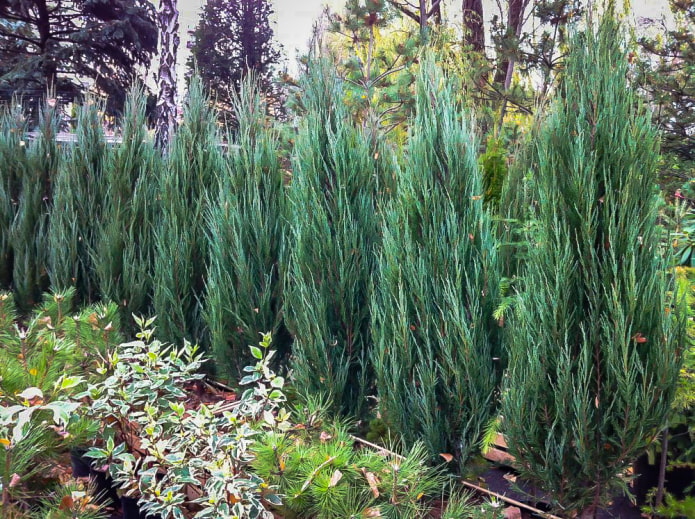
(43, 24)
(515, 19)
(473, 22)
(166, 80)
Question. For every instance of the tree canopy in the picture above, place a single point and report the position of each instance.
(232, 39)
(60, 44)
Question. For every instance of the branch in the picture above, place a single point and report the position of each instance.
(435, 4)
(405, 11)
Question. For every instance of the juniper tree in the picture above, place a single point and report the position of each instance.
(187, 181)
(13, 158)
(333, 232)
(246, 230)
(30, 227)
(595, 352)
(436, 350)
(124, 245)
(77, 206)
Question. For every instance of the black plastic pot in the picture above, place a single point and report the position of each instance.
(131, 510)
(105, 492)
(80, 464)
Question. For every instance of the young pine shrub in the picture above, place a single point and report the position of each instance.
(30, 227)
(78, 198)
(595, 349)
(187, 185)
(333, 233)
(13, 162)
(246, 234)
(436, 348)
(124, 244)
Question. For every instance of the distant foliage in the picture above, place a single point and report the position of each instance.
(46, 45)
(234, 40)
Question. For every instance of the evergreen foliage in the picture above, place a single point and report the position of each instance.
(187, 183)
(47, 45)
(77, 207)
(30, 227)
(595, 351)
(124, 247)
(436, 350)
(246, 231)
(334, 230)
(234, 39)
(13, 159)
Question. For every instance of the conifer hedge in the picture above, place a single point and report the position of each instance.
(246, 232)
(124, 248)
(188, 182)
(334, 230)
(78, 194)
(29, 233)
(437, 353)
(595, 349)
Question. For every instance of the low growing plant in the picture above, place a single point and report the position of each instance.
(183, 461)
(43, 363)
(321, 474)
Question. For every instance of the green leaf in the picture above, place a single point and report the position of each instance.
(256, 352)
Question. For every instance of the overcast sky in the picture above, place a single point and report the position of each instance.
(294, 19)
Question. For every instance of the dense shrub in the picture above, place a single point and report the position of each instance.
(595, 351)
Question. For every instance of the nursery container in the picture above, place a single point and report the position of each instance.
(131, 510)
(80, 464)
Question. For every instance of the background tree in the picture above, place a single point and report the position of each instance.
(168, 18)
(667, 74)
(595, 351)
(376, 56)
(233, 39)
(58, 45)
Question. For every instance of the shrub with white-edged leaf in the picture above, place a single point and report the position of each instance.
(183, 461)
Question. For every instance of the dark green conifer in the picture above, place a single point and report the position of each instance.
(246, 233)
(436, 353)
(594, 351)
(334, 230)
(187, 182)
(13, 158)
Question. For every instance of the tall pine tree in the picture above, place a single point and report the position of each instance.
(234, 38)
(595, 351)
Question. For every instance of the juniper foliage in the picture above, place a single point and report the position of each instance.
(595, 352)
(186, 185)
(124, 246)
(246, 232)
(77, 207)
(30, 227)
(436, 351)
(13, 158)
(334, 231)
